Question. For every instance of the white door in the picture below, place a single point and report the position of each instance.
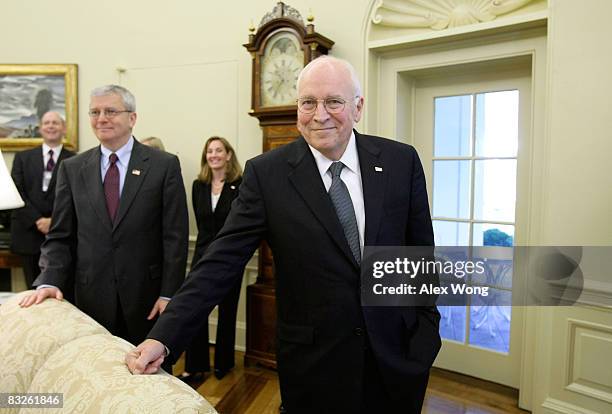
(471, 131)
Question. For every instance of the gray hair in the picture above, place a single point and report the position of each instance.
(126, 96)
(335, 61)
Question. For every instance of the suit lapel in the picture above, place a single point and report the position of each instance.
(306, 179)
(134, 177)
(92, 179)
(207, 199)
(36, 168)
(373, 178)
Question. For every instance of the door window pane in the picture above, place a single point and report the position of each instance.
(451, 189)
(451, 233)
(452, 323)
(453, 126)
(489, 234)
(494, 190)
(496, 127)
(490, 324)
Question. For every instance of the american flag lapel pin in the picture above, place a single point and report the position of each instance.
(135, 172)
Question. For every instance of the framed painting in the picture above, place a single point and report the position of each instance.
(26, 93)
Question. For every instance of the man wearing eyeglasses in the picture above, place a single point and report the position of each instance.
(317, 201)
(120, 220)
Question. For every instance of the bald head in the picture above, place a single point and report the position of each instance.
(52, 128)
(330, 63)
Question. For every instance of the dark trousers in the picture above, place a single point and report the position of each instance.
(197, 354)
(30, 268)
(121, 330)
(376, 399)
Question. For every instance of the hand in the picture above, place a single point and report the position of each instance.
(146, 358)
(159, 307)
(43, 224)
(40, 295)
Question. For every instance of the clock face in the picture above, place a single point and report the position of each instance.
(281, 63)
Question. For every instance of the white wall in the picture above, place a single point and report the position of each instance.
(184, 61)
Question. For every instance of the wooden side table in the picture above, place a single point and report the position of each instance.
(9, 259)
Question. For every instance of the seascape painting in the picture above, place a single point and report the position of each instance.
(24, 99)
(26, 93)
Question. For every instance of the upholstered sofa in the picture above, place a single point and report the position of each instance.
(55, 348)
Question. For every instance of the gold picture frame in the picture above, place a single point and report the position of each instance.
(26, 93)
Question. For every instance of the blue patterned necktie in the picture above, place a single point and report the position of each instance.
(344, 209)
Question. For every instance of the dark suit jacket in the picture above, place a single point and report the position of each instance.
(322, 327)
(136, 260)
(209, 221)
(27, 173)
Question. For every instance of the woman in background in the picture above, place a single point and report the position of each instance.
(212, 195)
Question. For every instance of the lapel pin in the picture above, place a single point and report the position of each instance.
(233, 187)
(378, 169)
(135, 172)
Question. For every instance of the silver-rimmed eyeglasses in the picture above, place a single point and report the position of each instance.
(108, 113)
(333, 105)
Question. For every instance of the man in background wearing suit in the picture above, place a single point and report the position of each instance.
(120, 218)
(317, 201)
(34, 173)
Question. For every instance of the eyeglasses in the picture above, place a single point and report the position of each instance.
(108, 113)
(332, 105)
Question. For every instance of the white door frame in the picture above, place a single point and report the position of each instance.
(390, 92)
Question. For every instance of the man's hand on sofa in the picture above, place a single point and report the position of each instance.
(146, 358)
(40, 295)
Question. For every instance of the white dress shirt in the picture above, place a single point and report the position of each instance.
(351, 175)
(123, 159)
(48, 174)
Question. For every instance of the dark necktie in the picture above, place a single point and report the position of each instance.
(111, 187)
(50, 163)
(344, 209)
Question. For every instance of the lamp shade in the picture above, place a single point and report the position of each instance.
(9, 196)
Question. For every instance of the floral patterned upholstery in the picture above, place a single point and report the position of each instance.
(28, 336)
(54, 347)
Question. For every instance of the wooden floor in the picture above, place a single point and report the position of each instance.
(255, 390)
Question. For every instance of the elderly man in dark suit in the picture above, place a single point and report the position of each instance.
(318, 201)
(35, 173)
(120, 218)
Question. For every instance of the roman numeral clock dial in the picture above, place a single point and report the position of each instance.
(282, 61)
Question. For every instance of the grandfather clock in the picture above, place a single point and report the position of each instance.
(280, 47)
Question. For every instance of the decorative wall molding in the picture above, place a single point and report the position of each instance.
(553, 405)
(586, 339)
(440, 14)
